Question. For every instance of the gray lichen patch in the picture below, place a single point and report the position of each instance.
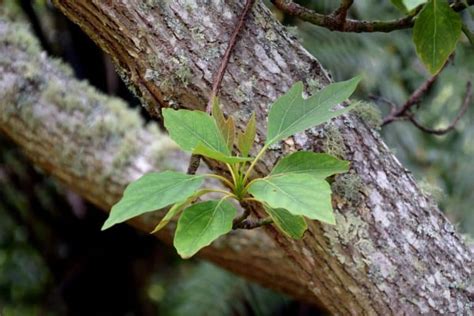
(350, 234)
(182, 70)
(369, 113)
(432, 190)
(333, 141)
(350, 187)
(19, 35)
(39, 93)
(314, 85)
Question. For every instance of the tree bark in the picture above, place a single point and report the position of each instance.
(96, 146)
(391, 251)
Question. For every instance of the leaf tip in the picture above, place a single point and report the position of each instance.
(185, 255)
(331, 220)
(107, 225)
(357, 79)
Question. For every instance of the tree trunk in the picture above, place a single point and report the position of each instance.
(391, 251)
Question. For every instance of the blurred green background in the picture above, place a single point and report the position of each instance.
(55, 261)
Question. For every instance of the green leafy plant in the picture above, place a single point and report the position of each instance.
(296, 187)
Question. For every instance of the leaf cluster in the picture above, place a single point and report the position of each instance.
(294, 190)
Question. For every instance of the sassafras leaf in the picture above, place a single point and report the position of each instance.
(300, 194)
(291, 113)
(152, 192)
(202, 223)
(291, 225)
(318, 165)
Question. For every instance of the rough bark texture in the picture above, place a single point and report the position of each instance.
(391, 251)
(96, 146)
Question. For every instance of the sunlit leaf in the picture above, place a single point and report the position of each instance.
(316, 164)
(152, 192)
(291, 113)
(300, 194)
(190, 128)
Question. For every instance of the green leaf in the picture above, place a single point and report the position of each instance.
(318, 165)
(152, 192)
(202, 223)
(246, 139)
(190, 128)
(291, 113)
(291, 225)
(206, 151)
(226, 127)
(300, 194)
(172, 212)
(436, 32)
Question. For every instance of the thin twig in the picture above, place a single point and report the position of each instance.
(332, 22)
(251, 224)
(341, 12)
(238, 220)
(225, 59)
(413, 99)
(195, 160)
(469, 34)
(465, 104)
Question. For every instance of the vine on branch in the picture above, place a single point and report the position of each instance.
(196, 159)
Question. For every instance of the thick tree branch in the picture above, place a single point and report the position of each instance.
(96, 146)
(391, 252)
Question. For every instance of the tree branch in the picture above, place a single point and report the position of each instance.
(415, 98)
(333, 21)
(469, 34)
(252, 224)
(94, 145)
(464, 106)
(362, 265)
(340, 14)
(404, 112)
